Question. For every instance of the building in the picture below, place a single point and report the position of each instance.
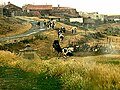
(113, 18)
(62, 11)
(12, 10)
(93, 15)
(80, 20)
(89, 23)
(54, 18)
(37, 10)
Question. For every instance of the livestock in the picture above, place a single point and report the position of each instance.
(57, 47)
(63, 29)
(45, 23)
(67, 51)
(53, 24)
(38, 23)
(76, 48)
(50, 24)
(60, 31)
(61, 37)
(74, 30)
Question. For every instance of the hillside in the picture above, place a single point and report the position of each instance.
(75, 73)
(43, 42)
(11, 26)
(101, 72)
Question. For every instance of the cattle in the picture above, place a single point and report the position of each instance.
(74, 30)
(45, 23)
(38, 23)
(57, 47)
(53, 24)
(63, 29)
(59, 32)
(67, 51)
(60, 35)
(48, 24)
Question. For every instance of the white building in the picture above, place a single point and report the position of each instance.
(80, 20)
(92, 15)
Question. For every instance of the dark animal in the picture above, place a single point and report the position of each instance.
(68, 51)
(45, 23)
(56, 46)
(38, 23)
(53, 24)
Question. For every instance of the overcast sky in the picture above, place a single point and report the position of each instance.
(101, 6)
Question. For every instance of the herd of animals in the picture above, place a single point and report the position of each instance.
(66, 51)
(69, 51)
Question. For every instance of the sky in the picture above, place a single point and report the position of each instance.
(100, 6)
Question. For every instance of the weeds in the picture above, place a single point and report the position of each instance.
(82, 73)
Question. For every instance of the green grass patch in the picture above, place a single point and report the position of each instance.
(17, 79)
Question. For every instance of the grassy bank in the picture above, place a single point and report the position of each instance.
(76, 73)
(10, 26)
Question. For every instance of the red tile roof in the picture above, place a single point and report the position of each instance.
(38, 7)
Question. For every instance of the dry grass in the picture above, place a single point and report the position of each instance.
(10, 27)
(105, 26)
(22, 28)
(77, 73)
(33, 18)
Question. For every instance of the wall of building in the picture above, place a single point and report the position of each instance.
(92, 15)
(80, 20)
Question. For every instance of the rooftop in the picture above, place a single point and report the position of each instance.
(63, 8)
(38, 7)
